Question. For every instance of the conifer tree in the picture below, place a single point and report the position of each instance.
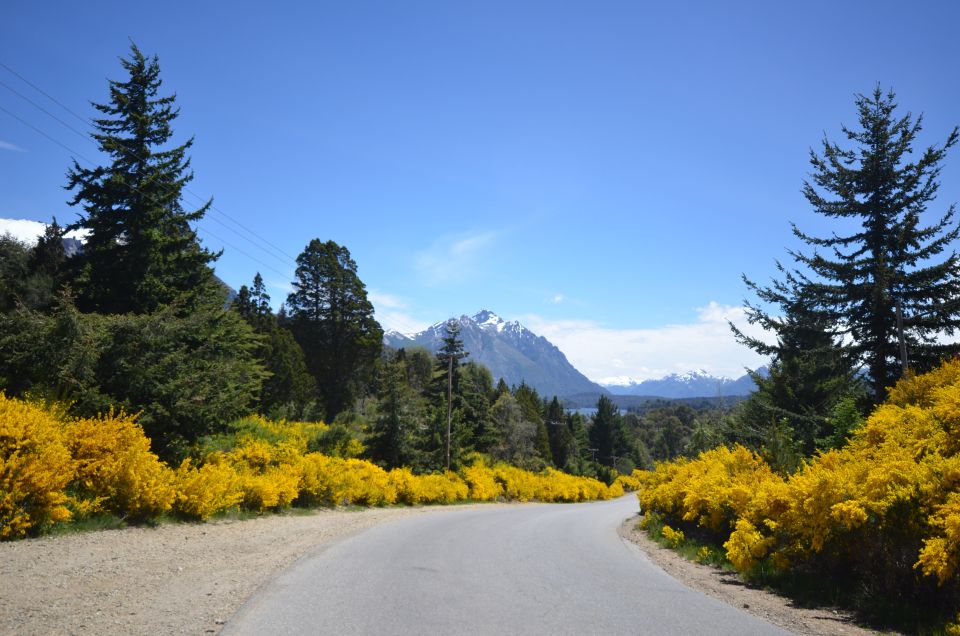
(561, 439)
(448, 367)
(893, 283)
(141, 252)
(810, 373)
(605, 432)
(333, 321)
(532, 407)
(391, 441)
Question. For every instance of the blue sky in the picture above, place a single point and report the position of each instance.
(602, 171)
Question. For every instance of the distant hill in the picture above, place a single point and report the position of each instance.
(509, 350)
(643, 403)
(695, 384)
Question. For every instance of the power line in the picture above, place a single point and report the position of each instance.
(133, 188)
(277, 251)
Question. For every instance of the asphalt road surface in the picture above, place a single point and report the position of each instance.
(537, 569)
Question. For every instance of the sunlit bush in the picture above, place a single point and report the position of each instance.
(882, 508)
(35, 468)
(115, 465)
(207, 490)
(482, 481)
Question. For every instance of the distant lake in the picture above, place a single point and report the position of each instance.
(590, 411)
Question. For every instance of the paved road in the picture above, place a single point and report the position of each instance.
(538, 569)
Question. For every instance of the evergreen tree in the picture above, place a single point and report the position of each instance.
(141, 252)
(448, 375)
(333, 321)
(532, 408)
(288, 387)
(892, 283)
(260, 300)
(810, 372)
(242, 305)
(561, 439)
(476, 387)
(391, 442)
(605, 434)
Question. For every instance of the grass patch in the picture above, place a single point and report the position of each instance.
(93, 523)
(690, 543)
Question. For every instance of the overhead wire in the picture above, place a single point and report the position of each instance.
(257, 240)
(132, 188)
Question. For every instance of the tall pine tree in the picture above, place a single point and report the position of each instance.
(333, 321)
(141, 252)
(892, 282)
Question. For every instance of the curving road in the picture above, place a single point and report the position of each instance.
(537, 569)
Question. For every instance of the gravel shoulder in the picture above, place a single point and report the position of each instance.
(170, 579)
(727, 587)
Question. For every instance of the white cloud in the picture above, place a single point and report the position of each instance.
(557, 299)
(28, 231)
(453, 258)
(387, 301)
(22, 229)
(6, 145)
(602, 353)
(391, 312)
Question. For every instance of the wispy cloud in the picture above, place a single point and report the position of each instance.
(557, 299)
(601, 352)
(392, 313)
(453, 258)
(6, 145)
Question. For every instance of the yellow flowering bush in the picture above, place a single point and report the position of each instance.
(207, 490)
(482, 481)
(114, 464)
(879, 510)
(50, 466)
(630, 482)
(711, 491)
(35, 468)
(674, 537)
(517, 484)
(442, 488)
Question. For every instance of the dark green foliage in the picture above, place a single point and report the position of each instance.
(562, 444)
(476, 387)
(187, 374)
(288, 387)
(391, 442)
(30, 277)
(517, 444)
(333, 322)
(892, 261)
(532, 409)
(809, 374)
(14, 268)
(605, 434)
(141, 253)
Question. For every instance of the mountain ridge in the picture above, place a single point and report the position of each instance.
(509, 350)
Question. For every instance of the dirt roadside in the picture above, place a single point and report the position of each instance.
(727, 587)
(171, 579)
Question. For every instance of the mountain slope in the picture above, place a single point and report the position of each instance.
(694, 384)
(509, 350)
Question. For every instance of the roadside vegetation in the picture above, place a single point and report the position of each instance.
(838, 480)
(94, 472)
(133, 389)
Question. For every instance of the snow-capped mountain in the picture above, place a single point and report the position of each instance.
(691, 384)
(509, 350)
